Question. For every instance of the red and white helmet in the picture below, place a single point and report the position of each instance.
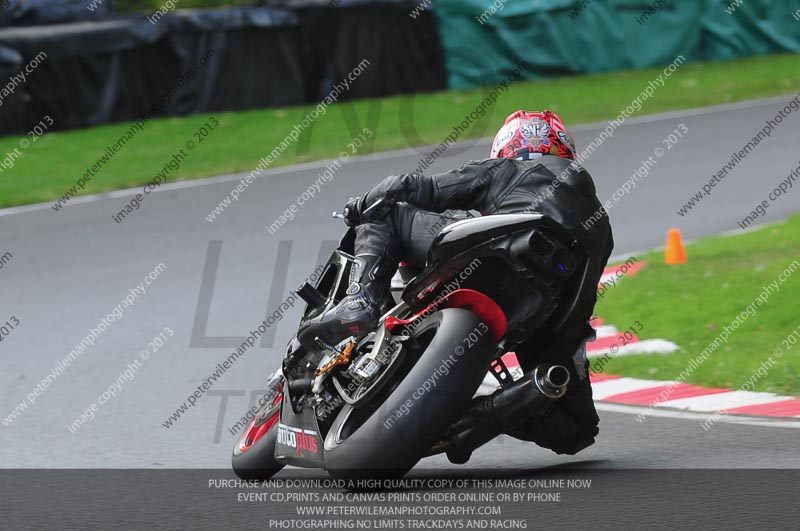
(529, 135)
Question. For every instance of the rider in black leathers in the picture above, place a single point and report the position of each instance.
(532, 169)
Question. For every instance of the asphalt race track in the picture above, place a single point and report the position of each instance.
(72, 268)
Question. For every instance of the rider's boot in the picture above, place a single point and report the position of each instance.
(358, 312)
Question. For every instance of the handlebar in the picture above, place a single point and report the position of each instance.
(379, 208)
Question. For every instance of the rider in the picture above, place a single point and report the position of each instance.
(531, 169)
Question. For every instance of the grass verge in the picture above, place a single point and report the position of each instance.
(691, 304)
(54, 162)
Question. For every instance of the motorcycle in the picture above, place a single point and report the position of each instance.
(431, 377)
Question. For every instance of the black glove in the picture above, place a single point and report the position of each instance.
(352, 211)
(357, 212)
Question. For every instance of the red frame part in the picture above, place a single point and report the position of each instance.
(468, 299)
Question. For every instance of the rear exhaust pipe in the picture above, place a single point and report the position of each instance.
(530, 396)
(552, 381)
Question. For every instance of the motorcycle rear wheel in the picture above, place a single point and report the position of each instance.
(445, 361)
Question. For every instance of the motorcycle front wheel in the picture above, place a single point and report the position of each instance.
(254, 453)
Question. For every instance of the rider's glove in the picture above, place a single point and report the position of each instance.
(357, 212)
(352, 211)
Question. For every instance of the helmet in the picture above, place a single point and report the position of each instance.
(529, 135)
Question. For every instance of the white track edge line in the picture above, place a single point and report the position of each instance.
(693, 415)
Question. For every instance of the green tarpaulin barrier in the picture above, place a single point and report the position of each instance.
(484, 40)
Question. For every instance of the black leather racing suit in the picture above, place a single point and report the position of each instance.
(553, 186)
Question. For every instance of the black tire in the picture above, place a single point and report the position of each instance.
(258, 461)
(382, 443)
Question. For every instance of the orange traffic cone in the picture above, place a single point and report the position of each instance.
(676, 252)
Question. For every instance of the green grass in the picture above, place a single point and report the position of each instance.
(55, 161)
(691, 303)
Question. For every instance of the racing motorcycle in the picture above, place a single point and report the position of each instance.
(431, 377)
